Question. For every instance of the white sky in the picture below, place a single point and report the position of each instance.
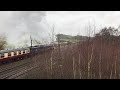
(67, 22)
(73, 22)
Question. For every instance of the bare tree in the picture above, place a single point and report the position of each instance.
(51, 36)
(89, 56)
(3, 41)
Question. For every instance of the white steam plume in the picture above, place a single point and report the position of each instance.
(18, 26)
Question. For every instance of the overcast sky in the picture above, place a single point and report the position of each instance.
(19, 25)
(72, 22)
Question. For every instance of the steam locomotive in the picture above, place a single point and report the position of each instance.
(22, 53)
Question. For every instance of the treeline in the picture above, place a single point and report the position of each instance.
(65, 38)
(109, 35)
(100, 55)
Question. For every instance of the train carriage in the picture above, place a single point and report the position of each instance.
(15, 54)
(19, 54)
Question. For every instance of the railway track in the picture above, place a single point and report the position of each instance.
(14, 76)
(18, 70)
(10, 67)
(8, 72)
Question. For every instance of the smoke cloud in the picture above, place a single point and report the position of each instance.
(19, 25)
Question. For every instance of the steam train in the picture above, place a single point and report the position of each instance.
(22, 53)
